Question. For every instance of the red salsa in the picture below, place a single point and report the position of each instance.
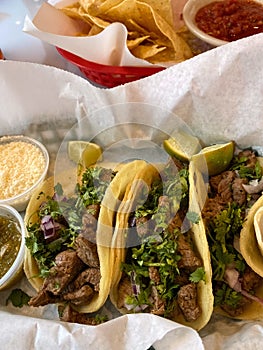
(230, 20)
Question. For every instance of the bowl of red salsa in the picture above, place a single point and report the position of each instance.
(218, 22)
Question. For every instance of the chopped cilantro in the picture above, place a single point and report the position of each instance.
(18, 298)
(59, 189)
(193, 217)
(101, 318)
(149, 207)
(198, 275)
(94, 184)
(239, 164)
(221, 232)
(227, 296)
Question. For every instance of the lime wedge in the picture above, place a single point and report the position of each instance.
(84, 152)
(216, 157)
(182, 146)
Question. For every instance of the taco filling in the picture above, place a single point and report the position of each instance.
(230, 196)
(63, 241)
(162, 268)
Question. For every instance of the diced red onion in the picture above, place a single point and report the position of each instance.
(134, 308)
(254, 186)
(135, 286)
(232, 278)
(252, 297)
(58, 198)
(49, 226)
(129, 307)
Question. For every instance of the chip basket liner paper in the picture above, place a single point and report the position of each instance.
(217, 94)
(108, 47)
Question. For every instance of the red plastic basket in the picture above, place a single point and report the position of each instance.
(108, 76)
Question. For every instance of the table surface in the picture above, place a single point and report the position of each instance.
(19, 46)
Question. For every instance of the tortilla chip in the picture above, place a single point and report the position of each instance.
(150, 18)
(94, 30)
(163, 7)
(92, 19)
(146, 51)
(133, 43)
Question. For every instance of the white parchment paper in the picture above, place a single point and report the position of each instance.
(218, 95)
(108, 47)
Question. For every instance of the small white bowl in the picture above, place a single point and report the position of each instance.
(190, 9)
(19, 198)
(15, 272)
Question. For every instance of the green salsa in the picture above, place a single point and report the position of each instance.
(10, 241)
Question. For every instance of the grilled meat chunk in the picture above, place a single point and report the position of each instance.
(67, 267)
(142, 226)
(125, 289)
(90, 221)
(70, 279)
(239, 193)
(224, 188)
(189, 261)
(158, 307)
(79, 296)
(188, 303)
(213, 206)
(89, 276)
(68, 314)
(87, 251)
(154, 274)
(250, 279)
(44, 297)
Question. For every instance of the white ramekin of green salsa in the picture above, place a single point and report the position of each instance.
(12, 246)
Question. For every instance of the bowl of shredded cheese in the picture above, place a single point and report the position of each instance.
(24, 163)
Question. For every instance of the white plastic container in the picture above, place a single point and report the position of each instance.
(15, 271)
(10, 175)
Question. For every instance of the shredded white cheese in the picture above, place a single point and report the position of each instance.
(21, 165)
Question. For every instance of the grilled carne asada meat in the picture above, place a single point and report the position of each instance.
(68, 314)
(89, 222)
(79, 296)
(157, 273)
(188, 303)
(68, 281)
(87, 251)
(189, 262)
(74, 278)
(44, 297)
(223, 214)
(67, 267)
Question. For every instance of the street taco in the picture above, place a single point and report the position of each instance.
(68, 238)
(251, 244)
(237, 288)
(162, 263)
